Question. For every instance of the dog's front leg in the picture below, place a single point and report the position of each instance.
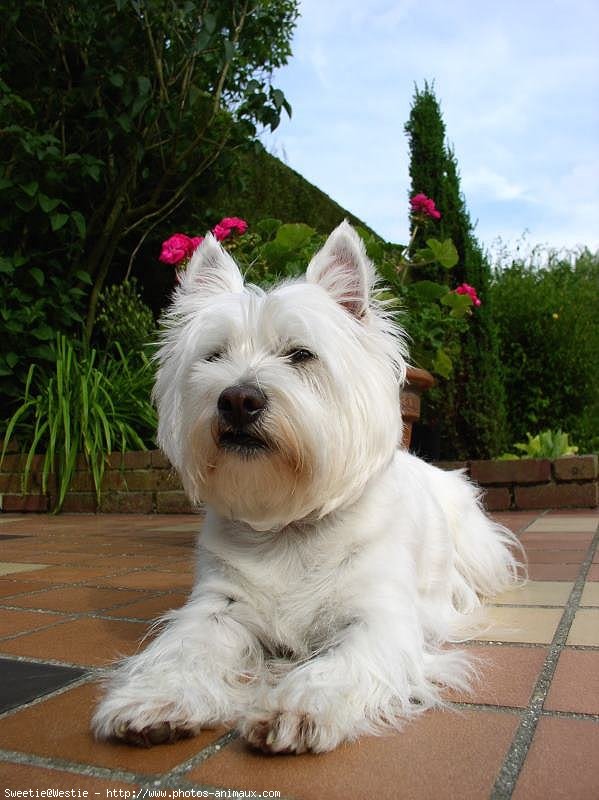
(364, 680)
(195, 674)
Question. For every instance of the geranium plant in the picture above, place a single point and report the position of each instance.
(433, 314)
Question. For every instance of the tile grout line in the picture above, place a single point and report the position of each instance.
(515, 758)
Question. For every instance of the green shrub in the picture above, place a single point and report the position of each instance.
(124, 319)
(87, 406)
(549, 340)
(547, 444)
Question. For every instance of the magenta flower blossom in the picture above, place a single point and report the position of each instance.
(179, 247)
(465, 288)
(421, 204)
(176, 248)
(229, 225)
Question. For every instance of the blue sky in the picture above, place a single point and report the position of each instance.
(518, 83)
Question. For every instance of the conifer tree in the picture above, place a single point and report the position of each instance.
(469, 408)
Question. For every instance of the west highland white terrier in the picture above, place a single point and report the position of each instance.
(332, 567)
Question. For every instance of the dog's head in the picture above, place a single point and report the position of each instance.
(277, 406)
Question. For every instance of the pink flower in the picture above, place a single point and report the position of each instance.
(465, 288)
(221, 232)
(176, 248)
(196, 241)
(421, 204)
(227, 226)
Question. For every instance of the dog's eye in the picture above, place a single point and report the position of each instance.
(300, 355)
(214, 356)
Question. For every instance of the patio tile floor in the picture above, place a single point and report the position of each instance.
(78, 591)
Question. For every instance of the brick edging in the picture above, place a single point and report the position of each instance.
(144, 482)
(526, 484)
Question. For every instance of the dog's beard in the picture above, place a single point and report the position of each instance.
(261, 475)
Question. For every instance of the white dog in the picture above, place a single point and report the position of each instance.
(332, 567)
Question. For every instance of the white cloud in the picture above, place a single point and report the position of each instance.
(518, 85)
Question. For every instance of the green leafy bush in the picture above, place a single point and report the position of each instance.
(549, 340)
(124, 319)
(86, 406)
(547, 444)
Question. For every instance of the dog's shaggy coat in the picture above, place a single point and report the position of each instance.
(332, 567)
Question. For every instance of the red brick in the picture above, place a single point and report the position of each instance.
(79, 502)
(530, 470)
(23, 502)
(173, 503)
(497, 498)
(575, 468)
(158, 459)
(16, 462)
(82, 482)
(560, 495)
(127, 503)
(135, 459)
(452, 465)
(10, 482)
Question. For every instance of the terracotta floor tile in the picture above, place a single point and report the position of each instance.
(590, 595)
(562, 762)
(516, 521)
(65, 574)
(151, 608)
(90, 642)
(9, 587)
(560, 523)
(536, 593)
(556, 541)
(438, 750)
(41, 729)
(553, 572)
(78, 598)
(585, 628)
(545, 556)
(507, 675)
(24, 776)
(523, 624)
(575, 685)
(593, 573)
(165, 581)
(12, 622)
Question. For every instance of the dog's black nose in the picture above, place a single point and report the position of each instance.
(241, 405)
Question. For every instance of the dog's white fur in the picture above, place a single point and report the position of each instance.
(332, 567)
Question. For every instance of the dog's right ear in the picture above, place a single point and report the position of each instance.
(211, 270)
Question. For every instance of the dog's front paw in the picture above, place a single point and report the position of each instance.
(140, 724)
(158, 733)
(288, 732)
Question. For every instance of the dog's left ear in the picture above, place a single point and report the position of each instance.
(344, 270)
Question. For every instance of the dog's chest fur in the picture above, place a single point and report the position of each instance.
(291, 589)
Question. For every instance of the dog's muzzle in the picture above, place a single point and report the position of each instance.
(240, 408)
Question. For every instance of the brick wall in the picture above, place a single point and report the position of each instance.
(567, 482)
(139, 482)
(145, 483)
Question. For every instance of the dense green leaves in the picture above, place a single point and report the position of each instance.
(85, 406)
(111, 115)
(549, 337)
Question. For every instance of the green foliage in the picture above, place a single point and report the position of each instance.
(111, 115)
(432, 315)
(549, 340)
(547, 444)
(86, 406)
(124, 319)
(259, 186)
(273, 250)
(469, 407)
